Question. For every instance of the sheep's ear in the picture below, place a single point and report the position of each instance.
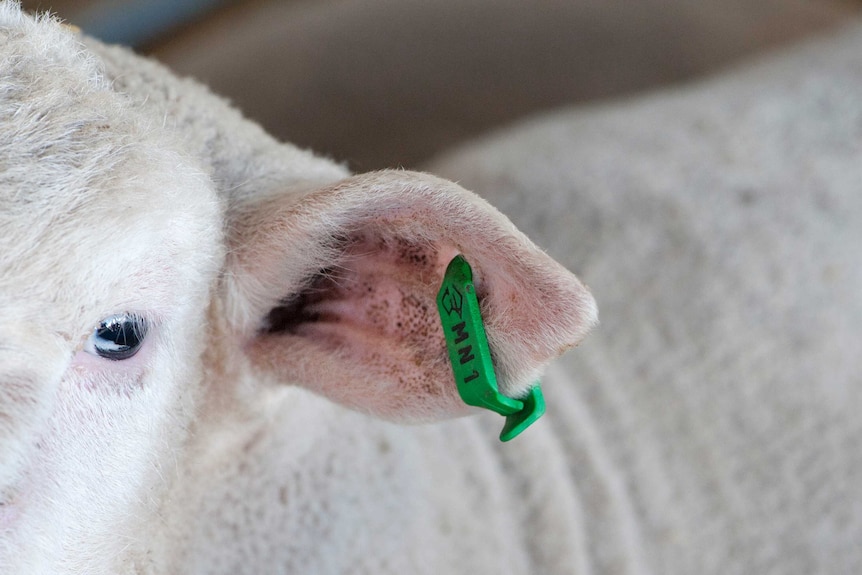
(336, 291)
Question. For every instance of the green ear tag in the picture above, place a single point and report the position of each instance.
(471, 357)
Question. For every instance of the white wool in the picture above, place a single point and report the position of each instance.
(709, 427)
(125, 190)
(713, 418)
(77, 165)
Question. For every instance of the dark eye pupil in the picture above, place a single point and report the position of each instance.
(120, 337)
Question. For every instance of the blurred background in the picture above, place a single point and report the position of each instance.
(388, 83)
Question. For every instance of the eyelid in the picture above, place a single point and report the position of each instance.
(115, 318)
(89, 367)
(152, 318)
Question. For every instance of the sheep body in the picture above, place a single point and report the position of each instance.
(719, 226)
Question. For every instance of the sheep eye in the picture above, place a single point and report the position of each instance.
(118, 337)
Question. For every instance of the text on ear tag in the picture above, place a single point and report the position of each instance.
(470, 355)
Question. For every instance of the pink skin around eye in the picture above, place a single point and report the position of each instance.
(9, 513)
(91, 371)
(88, 372)
(84, 362)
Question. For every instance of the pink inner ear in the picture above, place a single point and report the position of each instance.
(382, 288)
(375, 312)
(364, 330)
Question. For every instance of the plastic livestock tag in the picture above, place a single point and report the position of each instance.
(471, 357)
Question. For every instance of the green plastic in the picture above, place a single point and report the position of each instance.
(471, 357)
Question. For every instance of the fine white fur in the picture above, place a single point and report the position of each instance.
(127, 190)
(709, 426)
(714, 420)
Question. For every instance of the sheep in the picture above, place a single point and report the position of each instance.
(715, 417)
(210, 342)
(709, 425)
(391, 82)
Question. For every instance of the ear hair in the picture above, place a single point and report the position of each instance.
(336, 290)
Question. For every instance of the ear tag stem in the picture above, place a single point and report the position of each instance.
(470, 355)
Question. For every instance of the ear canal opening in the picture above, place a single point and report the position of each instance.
(381, 287)
(295, 310)
(365, 331)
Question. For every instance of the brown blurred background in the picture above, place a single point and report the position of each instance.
(384, 83)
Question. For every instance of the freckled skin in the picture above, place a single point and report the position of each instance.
(385, 286)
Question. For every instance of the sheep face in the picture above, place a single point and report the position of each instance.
(145, 314)
(103, 226)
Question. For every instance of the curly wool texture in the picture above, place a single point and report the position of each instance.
(714, 416)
